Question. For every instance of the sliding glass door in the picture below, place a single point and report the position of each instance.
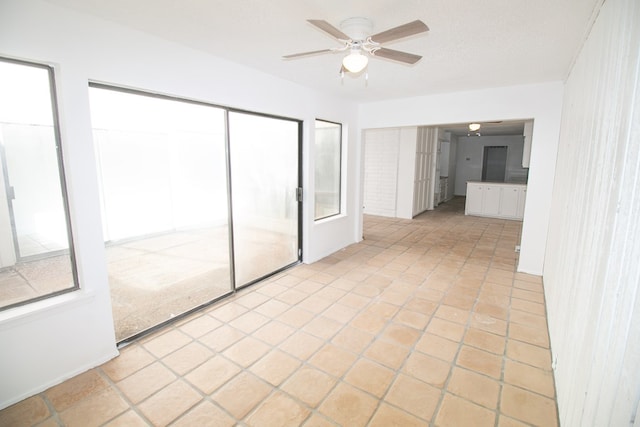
(264, 182)
(167, 170)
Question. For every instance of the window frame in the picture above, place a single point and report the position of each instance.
(317, 218)
(55, 118)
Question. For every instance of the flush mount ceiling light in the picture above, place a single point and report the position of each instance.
(362, 45)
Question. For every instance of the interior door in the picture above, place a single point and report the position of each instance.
(265, 177)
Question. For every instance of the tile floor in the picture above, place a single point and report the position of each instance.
(425, 322)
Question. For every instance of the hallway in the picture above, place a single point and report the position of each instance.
(424, 322)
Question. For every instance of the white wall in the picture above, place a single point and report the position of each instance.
(542, 102)
(472, 148)
(46, 342)
(592, 269)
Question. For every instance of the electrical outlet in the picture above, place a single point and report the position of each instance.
(517, 248)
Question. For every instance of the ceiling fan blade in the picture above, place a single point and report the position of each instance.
(329, 29)
(396, 55)
(406, 30)
(313, 52)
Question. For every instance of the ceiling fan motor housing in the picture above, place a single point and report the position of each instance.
(357, 28)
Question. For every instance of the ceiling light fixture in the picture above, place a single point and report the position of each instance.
(355, 61)
(473, 127)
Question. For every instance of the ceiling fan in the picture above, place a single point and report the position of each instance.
(361, 45)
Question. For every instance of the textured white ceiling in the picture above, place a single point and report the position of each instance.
(471, 44)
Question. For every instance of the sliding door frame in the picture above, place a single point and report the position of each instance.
(233, 286)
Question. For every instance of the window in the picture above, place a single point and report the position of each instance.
(36, 258)
(328, 150)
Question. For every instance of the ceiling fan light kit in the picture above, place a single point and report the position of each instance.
(355, 61)
(361, 45)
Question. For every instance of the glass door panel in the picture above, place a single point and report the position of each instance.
(264, 180)
(163, 187)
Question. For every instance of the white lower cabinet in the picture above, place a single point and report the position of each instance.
(496, 200)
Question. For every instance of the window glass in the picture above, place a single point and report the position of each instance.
(163, 187)
(328, 149)
(35, 256)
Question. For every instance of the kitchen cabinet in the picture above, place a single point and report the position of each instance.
(495, 200)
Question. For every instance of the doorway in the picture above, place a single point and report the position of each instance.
(494, 163)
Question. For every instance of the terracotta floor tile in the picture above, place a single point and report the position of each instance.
(428, 369)
(488, 324)
(96, 409)
(370, 377)
(221, 338)
(212, 374)
(226, 312)
(348, 406)
(145, 382)
(166, 343)
(275, 367)
(340, 313)
(535, 336)
(529, 354)
(446, 329)
(333, 360)
(77, 388)
(315, 304)
(249, 322)
(400, 334)
(278, 410)
(299, 387)
(428, 315)
(352, 339)
(524, 294)
(388, 354)
(301, 345)
(474, 387)
(128, 419)
(296, 317)
(169, 403)
(272, 308)
(452, 314)
(252, 299)
(510, 422)
(187, 358)
(205, 414)
(383, 309)
(485, 341)
(200, 326)
(412, 318)
(414, 396)
(529, 377)
(389, 416)
(30, 411)
(246, 351)
(528, 407)
(131, 359)
(322, 327)
(528, 319)
(528, 306)
(274, 332)
(480, 361)
(270, 289)
(368, 322)
(241, 394)
(455, 412)
(292, 296)
(437, 346)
